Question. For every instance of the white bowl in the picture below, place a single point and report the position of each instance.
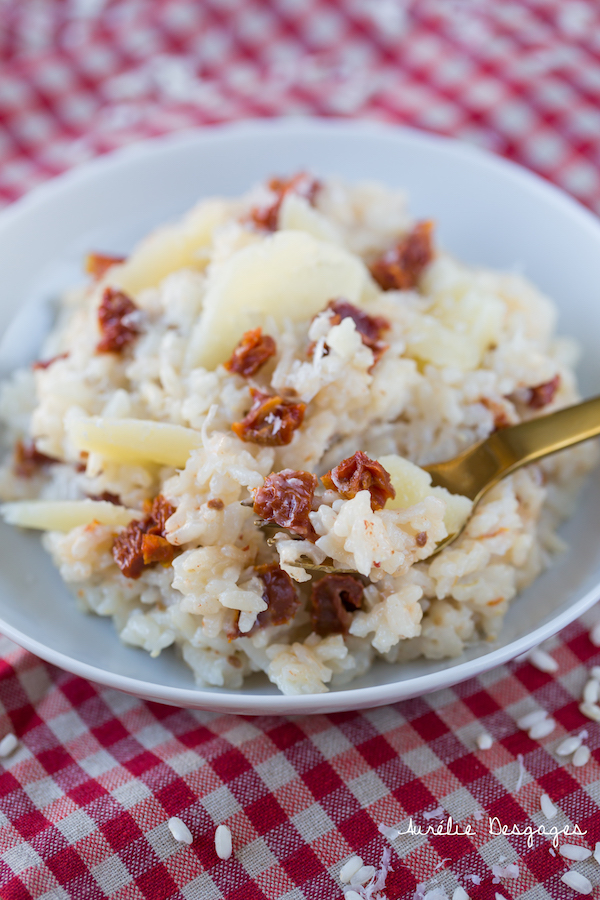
(488, 211)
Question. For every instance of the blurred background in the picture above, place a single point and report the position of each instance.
(81, 77)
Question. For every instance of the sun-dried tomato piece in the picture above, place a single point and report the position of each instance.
(107, 497)
(251, 353)
(286, 499)
(127, 550)
(369, 327)
(45, 363)
(271, 420)
(543, 394)
(215, 503)
(157, 549)
(400, 268)
(28, 460)
(281, 596)
(116, 321)
(97, 264)
(333, 598)
(136, 547)
(304, 185)
(501, 419)
(421, 538)
(360, 473)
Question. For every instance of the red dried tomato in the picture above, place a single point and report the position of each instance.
(251, 353)
(114, 319)
(304, 185)
(333, 599)
(28, 460)
(281, 596)
(156, 549)
(421, 538)
(107, 497)
(97, 264)
(370, 328)
(271, 420)
(45, 363)
(400, 268)
(286, 499)
(136, 547)
(360, 473)
(543, 394)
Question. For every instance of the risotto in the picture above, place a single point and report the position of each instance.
(249, 397)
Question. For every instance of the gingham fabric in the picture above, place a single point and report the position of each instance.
(85, 798)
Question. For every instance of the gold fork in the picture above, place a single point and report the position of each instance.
(476, 470)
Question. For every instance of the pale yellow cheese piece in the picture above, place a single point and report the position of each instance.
(63, 515)
(288, 275)
(476, 314)
(296, 214)
(412, 484)
(430, 341)
(170, 248)
(134, 440)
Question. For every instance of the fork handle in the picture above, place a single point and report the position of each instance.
(480, 467)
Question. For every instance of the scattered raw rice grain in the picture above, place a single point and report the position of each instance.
(485, 741)
(591, 711)
(223, 842)
(569, 745)
(499, 896)
(436, 813)
(8, 745)
(551, 851)
(476, 879)
(362, 875)
(581, 756)
(509, 871)
(577, 881)
(352, 895)
(532, 718)
(595, 635)
(460, 894)
(595, 672)
(548, 807)
(521, 772)
(591, 691)
(542, 729)
(543, 661)
(387, 831)
(572, 851)
(350, 868)
(597, 852)
(179, 830)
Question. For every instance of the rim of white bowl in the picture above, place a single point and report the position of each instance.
(351, 698)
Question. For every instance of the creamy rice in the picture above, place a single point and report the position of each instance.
(464, 350)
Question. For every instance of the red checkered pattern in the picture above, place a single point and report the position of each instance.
(85, 799)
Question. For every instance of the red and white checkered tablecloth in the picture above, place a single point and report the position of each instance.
(85, 798)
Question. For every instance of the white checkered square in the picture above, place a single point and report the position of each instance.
(21, 858)
(276, 771)
(111, 875)
(220, 804)
(76, 826)
(312, 822)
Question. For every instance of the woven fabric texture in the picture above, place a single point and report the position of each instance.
(85, 798)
